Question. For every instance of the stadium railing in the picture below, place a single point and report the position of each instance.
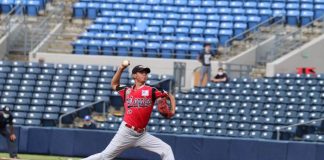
(37, 34)
(237, 70)
(14, 16)
(254, 34)
(294, 39)
(295, 125)
(85, 110)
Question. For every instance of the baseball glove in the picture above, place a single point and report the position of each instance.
(163, 108)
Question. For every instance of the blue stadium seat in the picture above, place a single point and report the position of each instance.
(52, 109)
(238, 11)
(13, 82)
(152, 49)
(69, 103)
(252, 12)
(182, 31)
(42, 83)
(138, 48)
(18, 70)
(181, 50)
(239, 28)
(80, 46)
(108, 47)
(32, 122)
(165, 129)
(293, 17)
(319, 10)
(94, 28)
(101, 20)
(94, 47)
(170, 23)
(5, 69)
(225, 35)
(63, 72)
(113, 126)
(153, 129)
(93, 74)
(119, 6)
(7, 6)
(23, 101)
(79, 9)
(77, 73)
(106, 12)
(123, 47)
(34, 115)
(236, 4)
(265, 14)
(19, 114)
(21, 108)
(109, 28)
(195, 49)
(33, 8)
(48, 71)
(124, 29)
(306, 17)
(158, 8)
(253, 21)
(36, 109)
(49, 119)
(55, 96)
(279, 13)
(167, 31)
(11, 88)
(167, 50)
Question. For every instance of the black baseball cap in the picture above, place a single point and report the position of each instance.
(140, 68)
(6, 109)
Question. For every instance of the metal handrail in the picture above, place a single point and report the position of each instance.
(252, 30)
(7, 18)
(297, 32)
(293, 125)
(307, 25)
(86, 106)
(242, 68)
(42, 27)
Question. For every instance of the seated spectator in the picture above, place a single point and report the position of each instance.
(220, 76)
(88, 123)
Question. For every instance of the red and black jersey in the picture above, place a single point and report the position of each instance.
(139, 103)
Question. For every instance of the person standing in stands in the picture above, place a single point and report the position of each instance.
(221, 76)
(5, 121)
(88, 123)
(204, 58)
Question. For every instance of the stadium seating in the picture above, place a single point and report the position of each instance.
(185, 21)
(30, 7)
(249, 108)
(39, 93)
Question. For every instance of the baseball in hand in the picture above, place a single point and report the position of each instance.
(126, 63)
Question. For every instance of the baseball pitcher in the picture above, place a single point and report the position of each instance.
(138, 102)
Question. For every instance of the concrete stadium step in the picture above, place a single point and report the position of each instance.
(59, 51)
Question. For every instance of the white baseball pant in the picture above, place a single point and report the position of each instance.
(126, 138)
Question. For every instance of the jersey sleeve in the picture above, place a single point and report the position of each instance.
(121, 91)
(160, 93)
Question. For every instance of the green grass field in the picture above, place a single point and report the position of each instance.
(37, 157)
